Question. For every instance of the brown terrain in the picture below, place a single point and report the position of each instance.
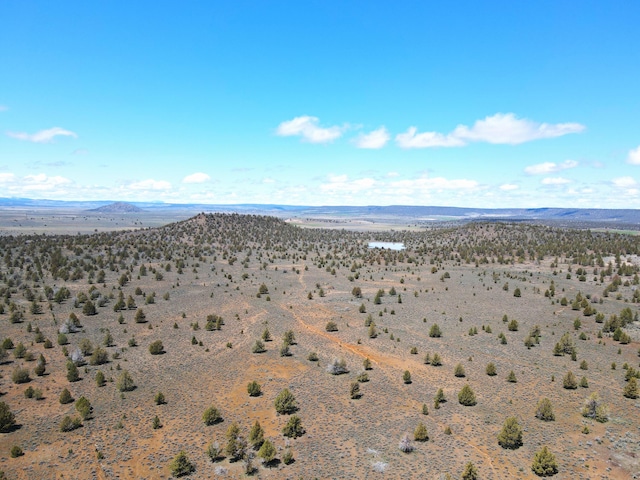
(461, 278)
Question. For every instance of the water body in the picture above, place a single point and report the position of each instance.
(387, 245)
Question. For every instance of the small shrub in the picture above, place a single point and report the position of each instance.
(405, 445)
(211, 416)
(156, 348)
(68, 424)
(20, 375)
(253, 388)
(293, 428)
(16, 451)
(125, 382)
(420, 434)
(7, 418)
(337, 367)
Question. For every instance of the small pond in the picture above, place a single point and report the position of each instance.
(387, 245)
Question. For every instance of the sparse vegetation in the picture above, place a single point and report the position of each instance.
(217, 263)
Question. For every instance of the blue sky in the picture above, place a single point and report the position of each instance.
(467, 103)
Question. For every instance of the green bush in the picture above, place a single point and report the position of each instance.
(156, 348)
(181, 465)
(211, 416)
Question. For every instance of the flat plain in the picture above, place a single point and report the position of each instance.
(343, 302)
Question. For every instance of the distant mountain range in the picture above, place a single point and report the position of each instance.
(399, 212)
(117, 207)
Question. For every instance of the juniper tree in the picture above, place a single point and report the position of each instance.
(289, 338)
(466, 396)
(7, 418)
(211, 416)
(511, 434)
(156, 347)
(40, 366)
(125, 382)
(258, 347)
(214, 452)
(236, 444)
(420, 434)
(491, 369)
(544, 410)
(266, 335)
(72, 372)
(434, 331)
(459, 371)
(470, 472)
(253, 388)
(68, 424)
(65, 397)
(99, 356)
(267, 452)
(594, 408)
(84, 408)
(256, 435)
(631, 389)
(285, 402)
(181, 465)
(544, 463)
(293, 428)
(569, 381)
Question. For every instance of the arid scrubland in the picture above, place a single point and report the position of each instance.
(229, 344)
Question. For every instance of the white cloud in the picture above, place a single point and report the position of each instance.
(307, 128)
(3, 108)
(412, 139)
(436, 183)
(341, 183)
(42, 182)
(198, 177)
(508, 187)
(268, 180)
(150, 184)
(501, 128)
(80, 151)
(555, 181)
(624, 182)
(549, 167)
(374, 139)
(43, 136)
(7, 177)
(507, 128)
(393, 174)
(634, 156)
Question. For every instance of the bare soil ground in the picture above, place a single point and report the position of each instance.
(344, 438)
